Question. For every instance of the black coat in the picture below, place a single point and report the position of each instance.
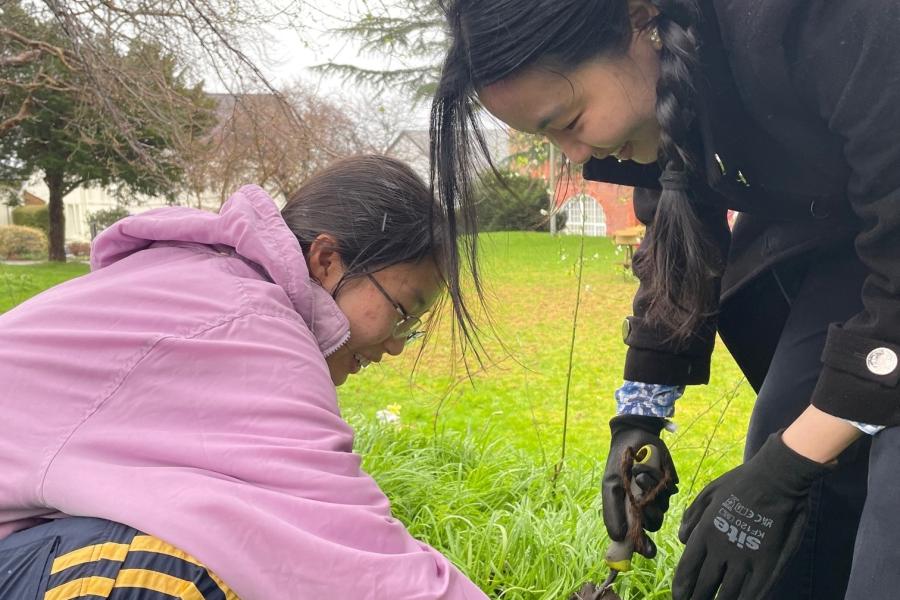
(799, 116)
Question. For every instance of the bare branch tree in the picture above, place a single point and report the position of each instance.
(23, 112)
(254, 141)
(211, 40)
(379, 118)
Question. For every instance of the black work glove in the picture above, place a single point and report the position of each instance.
(744, 526)
(634, 431)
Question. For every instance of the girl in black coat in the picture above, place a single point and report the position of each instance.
(787, 111)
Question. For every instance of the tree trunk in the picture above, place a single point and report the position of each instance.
(54, 181)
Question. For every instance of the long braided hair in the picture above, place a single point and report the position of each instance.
(678, 262)
(495, 39)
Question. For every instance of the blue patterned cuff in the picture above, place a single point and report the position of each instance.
(647, 399)
(866, 428)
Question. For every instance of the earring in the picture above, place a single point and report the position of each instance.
(655, 39)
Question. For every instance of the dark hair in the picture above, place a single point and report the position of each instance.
(494, 39)
(381, 213)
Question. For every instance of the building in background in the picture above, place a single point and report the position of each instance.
(412, 146)
(591, 207)
(82, 201)
(594, 208)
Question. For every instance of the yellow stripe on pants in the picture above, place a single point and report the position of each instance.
(108, 551)
(127, 578)
(133, 578)
(148, 543)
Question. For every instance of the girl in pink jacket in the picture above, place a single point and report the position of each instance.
(183, 395)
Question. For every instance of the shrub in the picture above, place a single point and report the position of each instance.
(518, 203)
(22, 243)
(101, 219)
(37, 217)
(79, 248)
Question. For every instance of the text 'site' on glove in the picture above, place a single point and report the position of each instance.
(632, 432)
(743, 527)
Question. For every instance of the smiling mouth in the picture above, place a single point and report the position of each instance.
(623, 152)
(359, 362)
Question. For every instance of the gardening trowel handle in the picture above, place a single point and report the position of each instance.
(618, 554)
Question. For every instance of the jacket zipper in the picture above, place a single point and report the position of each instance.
(337, 347)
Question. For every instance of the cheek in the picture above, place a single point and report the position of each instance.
(367, 327)
(609, 127)
(620, 111)
(646, 148)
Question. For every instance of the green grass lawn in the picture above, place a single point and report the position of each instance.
(521, 397)
(469, 468)
(20, 282)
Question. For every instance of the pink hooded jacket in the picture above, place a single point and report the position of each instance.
(180, 388)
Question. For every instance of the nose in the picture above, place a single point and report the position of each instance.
(394, 346)
(576, 151)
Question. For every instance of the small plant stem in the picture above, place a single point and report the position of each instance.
(562, 455)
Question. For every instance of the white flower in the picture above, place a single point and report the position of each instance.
(386, 417)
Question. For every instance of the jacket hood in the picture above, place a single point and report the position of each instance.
(250, 223)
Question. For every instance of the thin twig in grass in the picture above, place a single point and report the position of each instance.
(562, 455)
(682, 431)
(468, 377)
(534, 422)
(730, 397)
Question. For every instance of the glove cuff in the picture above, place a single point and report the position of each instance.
(649, 424)
(795, 473)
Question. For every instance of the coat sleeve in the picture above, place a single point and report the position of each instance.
(652, 356)
(229, 445)
(847, 66)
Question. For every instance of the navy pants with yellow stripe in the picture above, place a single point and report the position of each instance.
(93, 559)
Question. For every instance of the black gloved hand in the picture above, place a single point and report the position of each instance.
(744, 526)
(634, 431)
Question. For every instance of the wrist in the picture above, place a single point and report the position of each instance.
(650, 424)
(818, 436)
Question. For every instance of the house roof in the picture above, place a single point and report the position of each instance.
(32, 200)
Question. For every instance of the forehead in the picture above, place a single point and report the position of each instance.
(525, 99)
(418, 282)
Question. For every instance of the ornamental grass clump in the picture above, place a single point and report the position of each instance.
(18, 242)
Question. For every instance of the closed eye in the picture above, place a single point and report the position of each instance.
(573, 124)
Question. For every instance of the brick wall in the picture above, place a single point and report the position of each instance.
(614, 199)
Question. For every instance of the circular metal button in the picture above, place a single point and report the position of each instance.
(882, 361)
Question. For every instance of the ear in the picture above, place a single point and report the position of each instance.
(324, 261)
(641, 13)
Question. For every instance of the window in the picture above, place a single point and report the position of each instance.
(74, 222)
(584, 215)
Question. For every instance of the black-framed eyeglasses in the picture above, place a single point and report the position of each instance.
(406, 327)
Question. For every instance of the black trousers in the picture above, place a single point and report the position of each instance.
(776, 329)
(80, 558)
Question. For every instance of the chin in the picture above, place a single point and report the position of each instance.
(645, 160)
(339, 378)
